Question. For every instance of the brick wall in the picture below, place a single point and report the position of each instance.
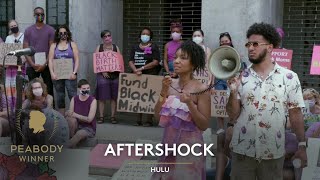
(156, 14)
(302, 27)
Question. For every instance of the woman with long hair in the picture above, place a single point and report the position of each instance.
(62, 48)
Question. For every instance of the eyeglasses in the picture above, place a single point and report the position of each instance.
(224, 33)
(63, 33)
(254, 44)
(38, 14)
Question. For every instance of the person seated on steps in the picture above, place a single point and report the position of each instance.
(81, 115)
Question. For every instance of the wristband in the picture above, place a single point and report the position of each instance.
(303, 144)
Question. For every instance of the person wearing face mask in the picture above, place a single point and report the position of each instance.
(15, 35)
(81, 115)
(37, 95)
(107, 82)
(11, 71)
(198, 38)
(63, 48)
(40, 36)
(171, 47)
(144, 59)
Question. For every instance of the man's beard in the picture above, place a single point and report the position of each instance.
(260, 58)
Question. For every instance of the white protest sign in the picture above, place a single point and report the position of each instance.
(40, 58)
(219, 100)
(312, 171)
(138, 94)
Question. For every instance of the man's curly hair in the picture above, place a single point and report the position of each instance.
(267, 31)
(195, 53)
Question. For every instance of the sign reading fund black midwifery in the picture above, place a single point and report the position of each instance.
(138, 94)
(107, 61)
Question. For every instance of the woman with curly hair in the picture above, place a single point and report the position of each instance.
(184, 116)
(37, 95)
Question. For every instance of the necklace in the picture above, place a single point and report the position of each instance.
(181, 89)
(144, 46)
(107, 48)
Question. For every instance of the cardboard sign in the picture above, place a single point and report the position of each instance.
(5, 48)
(219, 100)
(312, 171)
(135, 170)
(138, 94)
(283, 57)
(315, 62)
(107, 61)
(63, 68)
(40, 58)
(203, 76)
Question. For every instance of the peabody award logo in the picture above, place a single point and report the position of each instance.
(36, 153)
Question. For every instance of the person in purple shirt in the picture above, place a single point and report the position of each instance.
(81, 115)
(40, 36)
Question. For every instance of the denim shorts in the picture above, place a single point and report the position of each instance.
(221, 84)
(170, 65)
(60, 86)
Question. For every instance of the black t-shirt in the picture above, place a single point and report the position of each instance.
(141, 58)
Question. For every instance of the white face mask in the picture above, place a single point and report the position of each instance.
(37, 92)
(197, 39)
(176, 36)
(312, 103)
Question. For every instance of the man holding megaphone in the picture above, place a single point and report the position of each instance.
(259, 99)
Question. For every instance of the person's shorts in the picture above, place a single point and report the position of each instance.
(220, 84)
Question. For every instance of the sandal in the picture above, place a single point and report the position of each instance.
(113, 120)
(100, 120)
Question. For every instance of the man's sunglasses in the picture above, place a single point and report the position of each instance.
(39, 14)
(254, 44)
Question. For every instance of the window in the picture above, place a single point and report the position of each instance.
(57, 12)
(6, 13)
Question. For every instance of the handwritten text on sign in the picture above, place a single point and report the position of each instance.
(63, 68)
(315, 62)
(107, 61)
(283, 57)
(203, 76)
(219, 99)
(5, 48)
(138, 94)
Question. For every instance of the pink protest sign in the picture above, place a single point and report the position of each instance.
(283, 57)
(107, 61)
(315, 62)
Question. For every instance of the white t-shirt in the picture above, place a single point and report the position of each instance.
(11, 38)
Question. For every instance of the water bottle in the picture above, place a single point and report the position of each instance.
(297, 169)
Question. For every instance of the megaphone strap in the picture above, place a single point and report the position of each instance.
(212, 85)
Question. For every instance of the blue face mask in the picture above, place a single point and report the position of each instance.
(145, 38)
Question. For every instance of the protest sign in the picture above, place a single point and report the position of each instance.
(315, 61)
(63, 68)
(5, 48)
(283, 57)
(203, 76)
(219, 99)
(107, 61)
(312, 171)
(135, 170)
(138, 94)
(40, 58)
